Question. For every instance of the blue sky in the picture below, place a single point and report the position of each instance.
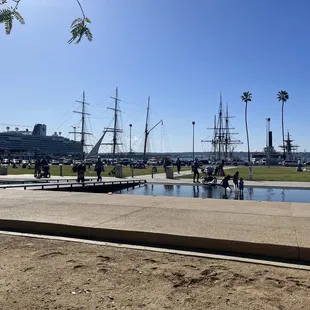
(181, 53)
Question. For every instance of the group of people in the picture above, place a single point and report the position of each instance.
(81, 168)
(238, 183)
(210, 171)
(167, 162)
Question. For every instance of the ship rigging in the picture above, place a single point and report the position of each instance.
(223, 143)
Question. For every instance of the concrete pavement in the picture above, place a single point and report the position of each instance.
(278, 230)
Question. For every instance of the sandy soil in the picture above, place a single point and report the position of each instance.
(46, 274)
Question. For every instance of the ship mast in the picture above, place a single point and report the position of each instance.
(115, 122)
(226, 131)
(82, 133)
(220, 136)
(114, 130)
(147, 131)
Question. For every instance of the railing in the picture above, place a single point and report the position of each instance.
(58, 185)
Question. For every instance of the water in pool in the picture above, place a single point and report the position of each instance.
(217, 192)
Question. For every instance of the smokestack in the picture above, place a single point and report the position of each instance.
(268, 133)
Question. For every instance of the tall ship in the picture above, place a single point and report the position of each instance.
(223, 141)
(37, 142)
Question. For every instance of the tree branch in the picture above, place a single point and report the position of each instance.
(16, 5)
(80, 8)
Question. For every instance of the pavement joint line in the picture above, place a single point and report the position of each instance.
(157, 206)
(120, 216)
(271, 263)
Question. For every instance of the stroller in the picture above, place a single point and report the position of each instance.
(46, 172)
(209, 177)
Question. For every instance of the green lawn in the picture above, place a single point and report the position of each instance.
(268, 174)
(55, 171)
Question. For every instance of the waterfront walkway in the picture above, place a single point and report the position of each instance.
(272, 229)
(161, 179)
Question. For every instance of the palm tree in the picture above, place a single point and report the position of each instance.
(283, 96)
(79, 27)
(246, 97)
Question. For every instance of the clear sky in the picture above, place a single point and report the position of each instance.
(182, 53)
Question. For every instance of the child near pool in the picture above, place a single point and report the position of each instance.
(241, 186)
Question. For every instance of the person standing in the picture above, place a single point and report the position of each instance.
(178, 164)
(37, 168)
(195, 170)
(81, 168)
(99, 168)
(236, 179)
(241, 186)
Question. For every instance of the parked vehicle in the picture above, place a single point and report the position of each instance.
(290, 163)
(239, 162)
(67, 162)
(152, 162)
(125, 161)
(139, 165)
(5, 161)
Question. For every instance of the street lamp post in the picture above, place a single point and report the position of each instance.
(193, 140)
(130, 125)
(130, 153)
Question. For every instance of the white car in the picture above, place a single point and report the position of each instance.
(152, 162)
(239, 162)
(290, 163)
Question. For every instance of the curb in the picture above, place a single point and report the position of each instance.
(188, 243)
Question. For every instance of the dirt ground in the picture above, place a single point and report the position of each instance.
(46, 274)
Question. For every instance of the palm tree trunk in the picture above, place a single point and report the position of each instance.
(246, 128)
(283, 130)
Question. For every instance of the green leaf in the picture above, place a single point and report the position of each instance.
(5, 14)
(89, 35)
(87, 20)
(76, 22)
(18, 17)
(79, 31)
(8, 25)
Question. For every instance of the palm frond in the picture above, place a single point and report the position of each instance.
(8, 25)
(246, 96)
(76, 22)
(78, 30)
(88, 34)
(283, 96)
(18, 17)
(5, 14)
